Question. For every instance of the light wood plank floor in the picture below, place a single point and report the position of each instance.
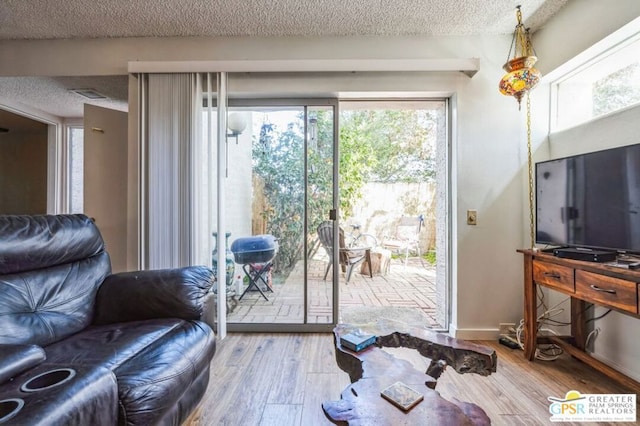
(282, 379)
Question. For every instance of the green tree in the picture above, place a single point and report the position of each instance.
(400, 144)
(615, 91)
(375, 145)
(320, 173)
(278, 161)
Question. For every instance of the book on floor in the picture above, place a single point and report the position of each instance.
(402, 396)
(357, 340)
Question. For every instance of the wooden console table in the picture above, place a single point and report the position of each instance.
(585, 282)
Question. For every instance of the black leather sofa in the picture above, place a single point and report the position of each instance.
(82, 346)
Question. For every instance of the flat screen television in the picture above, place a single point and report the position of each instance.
(590, 200)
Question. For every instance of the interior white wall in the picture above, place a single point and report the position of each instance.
(134, 200)
(79, 57)
(616, 129)
(105, 179)
(579, 25)
(488, 146)
(23, 159)
(55, 134)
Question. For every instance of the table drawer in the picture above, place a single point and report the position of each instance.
(615, 292)
(552, 275)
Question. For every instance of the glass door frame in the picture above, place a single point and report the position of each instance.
(304, 103)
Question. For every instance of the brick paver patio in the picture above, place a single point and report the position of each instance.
(412, 287)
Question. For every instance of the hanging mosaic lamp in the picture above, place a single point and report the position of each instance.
(521, 75)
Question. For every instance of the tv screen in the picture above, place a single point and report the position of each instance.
(590, 200)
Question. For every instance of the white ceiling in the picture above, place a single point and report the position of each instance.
(72, 19)
(51, 19)
(53, 95)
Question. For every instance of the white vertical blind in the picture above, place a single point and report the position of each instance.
(173, 181)
(180, 184)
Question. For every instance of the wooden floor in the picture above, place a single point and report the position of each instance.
(282, 379)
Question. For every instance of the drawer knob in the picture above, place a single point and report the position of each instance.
(603, 290)
(553, 275)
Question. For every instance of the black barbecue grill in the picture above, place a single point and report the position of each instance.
(255, 254)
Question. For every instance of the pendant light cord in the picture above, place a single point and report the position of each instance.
(530, 168)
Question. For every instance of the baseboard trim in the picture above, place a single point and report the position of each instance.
(616, 366)
(473, 333)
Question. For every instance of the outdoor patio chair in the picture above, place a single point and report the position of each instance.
(406, 237)
(349, 257)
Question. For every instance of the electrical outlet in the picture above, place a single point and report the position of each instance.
(472, 217)
(506, 327)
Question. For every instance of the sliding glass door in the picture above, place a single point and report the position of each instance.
(248, 186)
(279, 187)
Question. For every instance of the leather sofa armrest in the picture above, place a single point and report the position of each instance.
(166, 293)
(14, 359)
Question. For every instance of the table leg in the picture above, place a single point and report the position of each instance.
(530, 310)
(578, 322)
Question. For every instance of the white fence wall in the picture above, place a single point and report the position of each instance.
(382, 205)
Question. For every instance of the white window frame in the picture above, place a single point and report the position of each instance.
(599, 52)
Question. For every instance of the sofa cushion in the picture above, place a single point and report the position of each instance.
(45, 305)
(150, 383)
(110, 345)
(155, 361)
(14, 359)
(189, 401)
(87, 396)
(161, 293)
(36, 242)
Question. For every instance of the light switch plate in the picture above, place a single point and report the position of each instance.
(472, 217)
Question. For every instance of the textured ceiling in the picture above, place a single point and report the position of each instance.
(68, 19)
(53, 95)
(54, 19)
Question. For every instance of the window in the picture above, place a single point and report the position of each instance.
(608, 83)
(76, 169)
